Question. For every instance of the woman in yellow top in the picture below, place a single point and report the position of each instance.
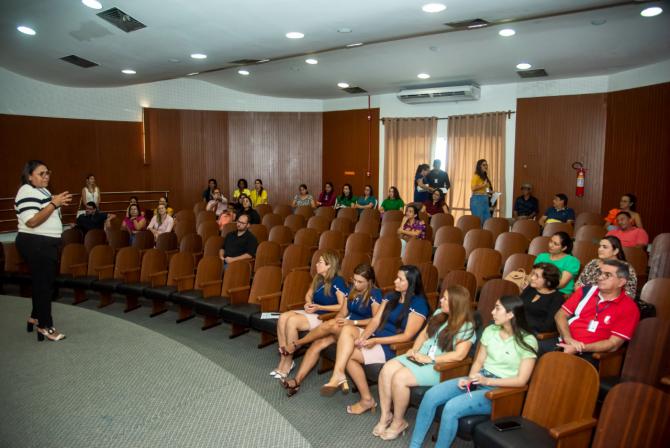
(242, 188)
(481, 187)
(258, 195)
(163, 201)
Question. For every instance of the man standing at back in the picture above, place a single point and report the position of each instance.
(437, 178)
(240, 245)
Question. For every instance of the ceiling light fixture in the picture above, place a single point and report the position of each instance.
(652, 11)
(262, 61)
(26, 30)
(243, 72)
(507, 32)
(312, 61)
(342, 85)
(128, 71)
(295, 35)
(433, 7)
(523, 66)
(423, 76)
(355, 44)
(93, 4)
(344, 30)
(198, 56)
(192, 74)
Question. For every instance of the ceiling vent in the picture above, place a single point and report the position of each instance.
(355, 90)
(468, 24)
(121, 20)
(81, 62)
(440, 94)
(537, 73)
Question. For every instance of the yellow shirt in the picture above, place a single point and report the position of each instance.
(477, 182)
(170, 211)
(236, 193)
(257, 199)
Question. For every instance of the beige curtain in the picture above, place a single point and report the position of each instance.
(470, 138)
(408, 142)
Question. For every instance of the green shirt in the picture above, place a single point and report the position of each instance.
(465, 334)
(567, 263)
(392, 204)
(504, 356)
(344, 202)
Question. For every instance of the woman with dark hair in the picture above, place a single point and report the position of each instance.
(247, 209)
(207, 194)
(134, 221)
(303, 198)
(411, 226)
(435, 204)
(242, 188)
(327, 196)
(560, 255)
(346, 199)
(541, 298)
(368, 200)
(259, 194)
(481, 188)
(610, 248)
(399, 319)
(392, 202)
(506, 358)
(448, 337)
(163, 201)
(38, 240)
(559, 212)
(362, 302)
(628, 203)
(421, 188)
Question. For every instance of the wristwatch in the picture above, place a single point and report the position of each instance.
(356, 323)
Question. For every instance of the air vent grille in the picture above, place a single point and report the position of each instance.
(121, 20)
(81, 62)
(468, 24)
(354, 90)
(537, 73)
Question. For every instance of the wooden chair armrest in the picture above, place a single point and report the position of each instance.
(79, 269)
(106, 271)
(301, 268)
(296, 306)
(158, 278)
(609, 363)
(401, 347)
(547, 335)
(185, 282)
(239, 296)
(211, 288)
(327, 316)
(131, 275)
(506, 401)
(454, 369)
(572, 428)
(270, 302)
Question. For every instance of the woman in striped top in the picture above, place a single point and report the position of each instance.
(40, 229)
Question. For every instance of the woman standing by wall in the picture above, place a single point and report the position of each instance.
(90, 193)
(481, 187)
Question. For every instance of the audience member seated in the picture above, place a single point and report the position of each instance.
(602, 317)
(629, 235)
(327, 196)
(628, 203)
(327, 293)
(134, 201)
(411, 226)
(346, 199)
(163, 200)
(435, 204)
(610, 248)
(399, 319)
(90, 193)
(242, 189)
(361, 303)
(247, 209)
(506, 358)
(526, 206)
(209, 191)
(560, 212)
(161, 222)
(392, 202)
(226, 217)
(560, 255)
(134, 221)
(448, 337)
(368, 200)
(259, 195)
(218, 204)
(240, 245)
(541, 301)
(93, 218)
(303, 198)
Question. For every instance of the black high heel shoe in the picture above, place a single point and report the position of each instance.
(30, 324)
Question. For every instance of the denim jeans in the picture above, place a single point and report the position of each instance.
(479, 206)
(457, 404)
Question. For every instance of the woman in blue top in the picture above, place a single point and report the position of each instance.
(506, 358)
(363, 300)
(448, 337)
(421, 188)
(326, 294)
(368, 200)
(399, 319)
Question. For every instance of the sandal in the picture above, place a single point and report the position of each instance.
(292, 387)
(328, 391)
(358, 409)
(379, 428)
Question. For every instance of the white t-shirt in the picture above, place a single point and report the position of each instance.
(28, 202)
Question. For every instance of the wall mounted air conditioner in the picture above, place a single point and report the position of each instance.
(440, 94)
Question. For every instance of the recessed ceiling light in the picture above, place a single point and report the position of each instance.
(192, 74)
(128, 71)
(261, 61)
(26, 30)
(523, 66)
(342, 85)
(598, 22)
(174, 60)
(344, 30)
(651, 11)
(312, 61)
(423, 76)
(198, 56)
(243, 72)
(507, 32)
(295, 35)
(93, 4)
(433, 7)
(355, 44)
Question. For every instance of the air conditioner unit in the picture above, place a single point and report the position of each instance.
(440, 94)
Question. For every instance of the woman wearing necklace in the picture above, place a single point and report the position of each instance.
(560, 255)
(610, 248)
(435, 204)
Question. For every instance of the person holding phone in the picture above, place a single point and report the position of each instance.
(448, 337)
(506, 358)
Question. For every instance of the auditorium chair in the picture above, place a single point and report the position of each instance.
(314, 259)
(118, 239)
(319, 222)
(441, 219)
(272, 219)
(551, 228)
(204, 284)
(127, 261)
(326, 212)
(389, 228)
(370, 214)
(208, 229)
(449, 257)
(260, 232)
(305, 211)
(72, 235)
(295, 222)
(509, 243)
(348, 212)
(468, 222)
(538, 245)
(184, 215)
(191, 244)
(638, 259)
(203, 216)
(358, 242)
(199, 207)
(281, 235)
(590, 233)
(349, 264)
(496, 226)
(475, 239)
(584, 251)
(183, 228)
(430, 279)
(16, 270)
(283, 210)
(417, 251)
(392, 216)
(386, 246)
(527, 227)
(95, 268)
(94, 237)
(263, 209)
(167, 241)
(267, 254)
(485, 264)
(368, 227)
(518, 261)
(164, 283)
(295, 256)
(307, 237)
(343, 225)
(660, 244)
(465, 279)
(333, 240)
(227, 228)
(589, 219)
(135, 281)
(71, 254)
(143, 241)
(491, 292)
(448, 234)
(386, 271)
(657, 293)
(212, 246)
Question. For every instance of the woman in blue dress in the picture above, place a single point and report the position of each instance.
(421, 188)
(399, 319)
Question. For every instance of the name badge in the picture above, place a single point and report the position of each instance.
(431, 351)
(593, 325)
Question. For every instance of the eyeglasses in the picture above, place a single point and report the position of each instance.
(243, 223)
(44, 173)
(606, 275)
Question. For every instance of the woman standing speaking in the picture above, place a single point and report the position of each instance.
(481, 187)
(40, 229)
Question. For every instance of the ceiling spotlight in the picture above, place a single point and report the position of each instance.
(355, 44)
(262, 61)
(243, 72)
(198, 56)
(433, 7)
(507, 32)
(192, 74)
(312, 61)
(295, 35)
(651, 11)
(423, 76)
(342, 85)
(26, 30)
(523, 66)
(93, 4)
(128, 71)
(344, 30)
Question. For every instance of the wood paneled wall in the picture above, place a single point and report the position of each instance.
(637, 153)
(345, 149)
(551, 134)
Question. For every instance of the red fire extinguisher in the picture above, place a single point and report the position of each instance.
(581, 174)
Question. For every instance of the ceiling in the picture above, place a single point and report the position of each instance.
(400, 41)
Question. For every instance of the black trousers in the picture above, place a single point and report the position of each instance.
(41, 255)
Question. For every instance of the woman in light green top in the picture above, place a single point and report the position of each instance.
(448, 337)
(560, 250)
(392, 202)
